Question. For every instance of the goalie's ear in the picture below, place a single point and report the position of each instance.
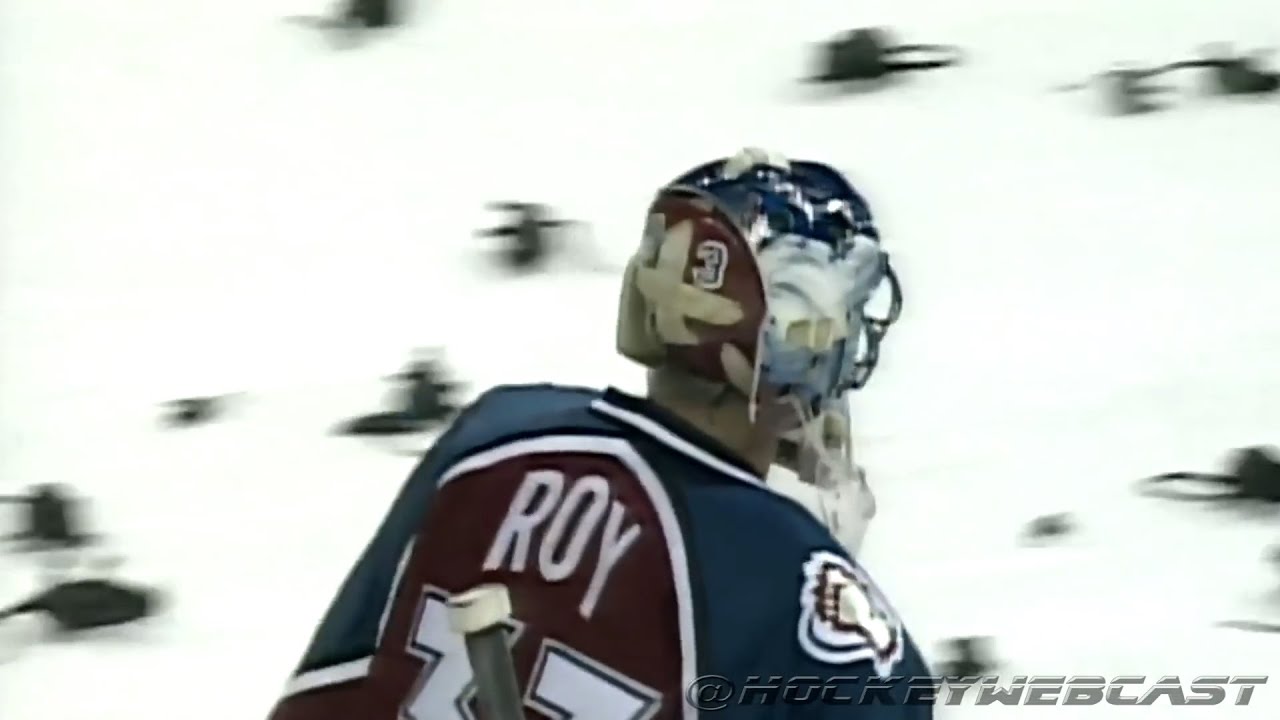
(692, 296)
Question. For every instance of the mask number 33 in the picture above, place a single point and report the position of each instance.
(711, 261)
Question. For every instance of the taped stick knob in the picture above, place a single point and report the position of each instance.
(479, 608)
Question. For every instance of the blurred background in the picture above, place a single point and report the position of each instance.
(199, 199)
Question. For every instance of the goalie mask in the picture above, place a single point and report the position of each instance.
(759, 273)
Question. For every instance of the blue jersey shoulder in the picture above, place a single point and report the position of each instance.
(790, 602)
(350, 629)
(509, 412)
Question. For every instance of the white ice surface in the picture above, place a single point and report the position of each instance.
(198, 198)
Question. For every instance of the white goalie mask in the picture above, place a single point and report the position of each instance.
(815, 468)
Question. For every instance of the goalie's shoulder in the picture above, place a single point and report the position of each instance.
(509, 412)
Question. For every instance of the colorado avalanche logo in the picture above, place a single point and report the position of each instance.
(844, 618)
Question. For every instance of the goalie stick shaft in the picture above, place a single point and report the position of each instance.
(482, 616)
(495, 674)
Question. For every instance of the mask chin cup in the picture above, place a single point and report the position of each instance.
(816, 470)
(846, 511)
(823, 448)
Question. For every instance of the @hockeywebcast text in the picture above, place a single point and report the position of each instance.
(716, 692)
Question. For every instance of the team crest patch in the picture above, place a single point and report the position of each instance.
(844, 618)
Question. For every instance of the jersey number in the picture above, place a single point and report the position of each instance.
(565, 684)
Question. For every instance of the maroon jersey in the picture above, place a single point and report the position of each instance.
(585, 538)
